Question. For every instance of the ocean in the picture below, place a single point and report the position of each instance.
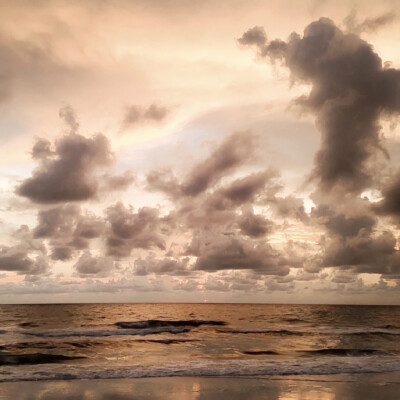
(102, 341)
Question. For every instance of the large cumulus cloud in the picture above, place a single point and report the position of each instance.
(67, 174)
(68, 170)
(350, 90)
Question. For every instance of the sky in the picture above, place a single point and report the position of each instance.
(199, 151)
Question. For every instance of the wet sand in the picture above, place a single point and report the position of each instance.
(338, 387)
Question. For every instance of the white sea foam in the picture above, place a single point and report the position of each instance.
(221, 368)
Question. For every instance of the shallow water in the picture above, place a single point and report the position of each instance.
(95, 341)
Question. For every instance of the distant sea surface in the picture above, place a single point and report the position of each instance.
(100, 341)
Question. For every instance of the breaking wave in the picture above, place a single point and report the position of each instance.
(252, 367)
(156, 323)
(107, 332)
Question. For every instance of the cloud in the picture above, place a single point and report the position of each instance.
(28, 256)
(206, 206)
(67, 230)
(254, 225)
(41, 149)
(117, 182)
(88, 265)
(288, 207)
(353, 243)
(22, 263)
(136, 114)
(219, 251)
(369, 24)
(255, 36)
(67, 114)
(350, 90)
(390, 204)
(365, 254)
(219, 208)
(130, 230)
(341, 224)
(242, 190)
(230, 154)
(350, 226)
(68, 173)
(163, 266)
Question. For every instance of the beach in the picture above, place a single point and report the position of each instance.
(339, 387)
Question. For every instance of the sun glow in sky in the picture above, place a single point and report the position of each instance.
(189, 150)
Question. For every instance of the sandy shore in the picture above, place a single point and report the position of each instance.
(338, 387)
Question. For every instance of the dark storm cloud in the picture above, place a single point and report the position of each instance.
(231, 153)
(136, 114)
(68, 174)
(163, 266)
(130, 230)
(350, 91)
(67, 230)
(88, 265)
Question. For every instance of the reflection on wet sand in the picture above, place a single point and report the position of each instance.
(354, 387)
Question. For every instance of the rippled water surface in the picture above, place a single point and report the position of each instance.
(138, 340)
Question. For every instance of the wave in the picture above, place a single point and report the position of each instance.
(294, 320)
(35, 358)
(156, 323)
(373, 333)
(165, 341)
(345, 352)
(387, 327)
(107, 332)
(339, 331)
(28, 325)
(324, 352)
(262, 331)
(249, 367)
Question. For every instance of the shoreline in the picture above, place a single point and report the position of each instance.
(311, 387)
